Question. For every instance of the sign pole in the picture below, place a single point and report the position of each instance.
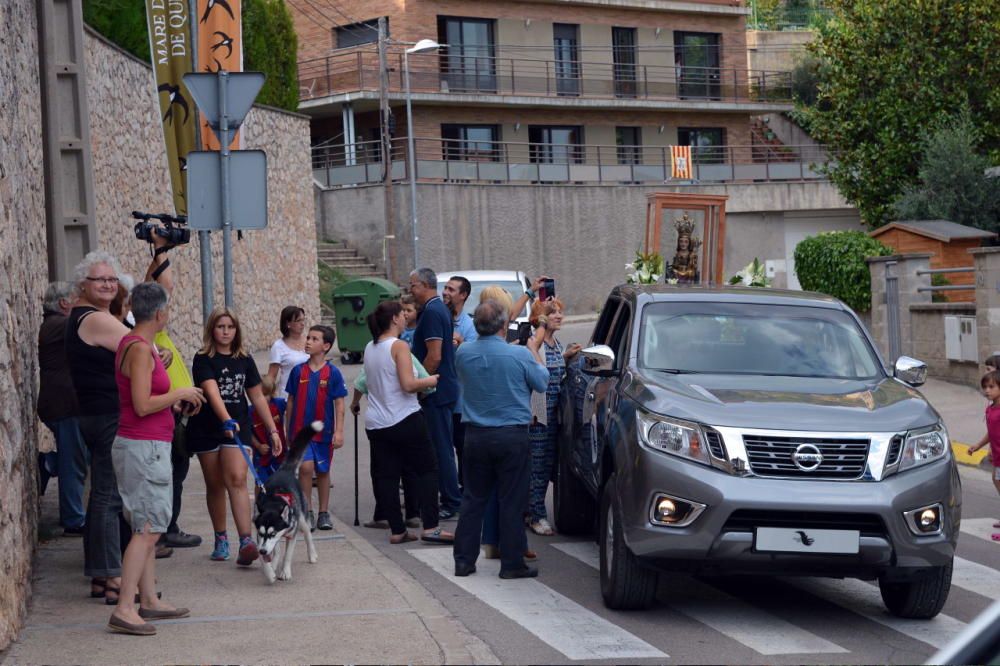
(207, 300)
(227, 219)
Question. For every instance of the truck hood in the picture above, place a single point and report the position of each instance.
(783, 403)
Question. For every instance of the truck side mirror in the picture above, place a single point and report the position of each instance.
(598, 361)
(910, 370)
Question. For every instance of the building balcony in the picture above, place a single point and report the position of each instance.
(496, 162)
(511, 78)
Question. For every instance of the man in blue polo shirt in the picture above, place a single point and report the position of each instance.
(433, 347)
(497, 380)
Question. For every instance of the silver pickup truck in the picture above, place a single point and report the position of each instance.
(753, 431)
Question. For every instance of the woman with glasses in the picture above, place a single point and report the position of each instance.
(92, 338)
(287, 351)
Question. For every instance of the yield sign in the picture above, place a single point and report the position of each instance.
(240, 90)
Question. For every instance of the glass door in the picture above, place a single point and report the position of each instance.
(468, 60)
(623, 48)
(566, 41)
(556, 144)
(697, 57)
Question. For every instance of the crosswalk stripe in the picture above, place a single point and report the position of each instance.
(557, 620)
(730, 616)
(980, 527)
(976, 578)
(865, 599)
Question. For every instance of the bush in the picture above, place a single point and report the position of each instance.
(833, 263)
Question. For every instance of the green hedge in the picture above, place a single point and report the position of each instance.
(833, 263)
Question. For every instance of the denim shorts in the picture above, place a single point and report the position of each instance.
(145, 482)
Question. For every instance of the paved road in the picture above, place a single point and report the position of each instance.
(560, 618)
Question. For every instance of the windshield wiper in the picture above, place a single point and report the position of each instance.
(678, 371)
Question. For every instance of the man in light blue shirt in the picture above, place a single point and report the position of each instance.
(455, 294)
(497, 380)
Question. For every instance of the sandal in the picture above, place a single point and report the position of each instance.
(995, 536)
(541, 527)
(437, 535)
(98, 587)
(405, 537)
(996, 524)
(109, 590)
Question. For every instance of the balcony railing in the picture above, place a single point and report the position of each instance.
(358, 70)
(445, 160)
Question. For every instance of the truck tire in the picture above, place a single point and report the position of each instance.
(573, 505)
(919, 599)
(625, 583)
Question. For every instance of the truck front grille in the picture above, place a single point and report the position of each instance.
(842, 459)
(746, 520)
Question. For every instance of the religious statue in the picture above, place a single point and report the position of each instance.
(684, 267)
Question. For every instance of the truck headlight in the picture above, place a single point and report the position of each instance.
(678, 438)
(924, 446)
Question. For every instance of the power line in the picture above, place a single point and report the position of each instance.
(307, 15)
(349, 18)
(333, 23)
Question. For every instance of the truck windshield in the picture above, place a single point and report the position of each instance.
(754, 339)
(513, 287)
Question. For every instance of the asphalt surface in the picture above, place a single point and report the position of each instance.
(695, 620)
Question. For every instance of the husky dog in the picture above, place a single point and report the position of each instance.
(281, 510)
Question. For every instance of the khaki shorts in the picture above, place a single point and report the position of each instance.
(145, 476)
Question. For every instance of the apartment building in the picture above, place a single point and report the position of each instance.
(535, 90)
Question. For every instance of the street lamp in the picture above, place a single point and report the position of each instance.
(423, 46)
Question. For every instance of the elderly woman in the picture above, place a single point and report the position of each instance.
(141, 458)
(92, 337)
(547, 318)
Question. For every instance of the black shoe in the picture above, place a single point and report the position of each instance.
(181, 539)
(74, 531)
(464, 569)
(526, 572)
(447, 514)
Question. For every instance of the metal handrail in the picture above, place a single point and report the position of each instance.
(939, 271)
(356, 69)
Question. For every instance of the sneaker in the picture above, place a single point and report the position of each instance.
(248, 552)
(221, 551)
(323, 521)
(163, 551)
(541, 527)
(181, 539)
(447, 514)
(312, 521)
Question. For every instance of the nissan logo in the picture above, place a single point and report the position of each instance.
(807, 457)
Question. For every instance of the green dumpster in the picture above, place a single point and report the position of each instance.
(353, 301)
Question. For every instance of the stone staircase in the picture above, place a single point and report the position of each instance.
(347, 260)
(767, 147)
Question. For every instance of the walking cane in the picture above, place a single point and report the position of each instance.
(356, 445)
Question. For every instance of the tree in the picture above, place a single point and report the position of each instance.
(891, 70)
(270, 44)
(953, 182)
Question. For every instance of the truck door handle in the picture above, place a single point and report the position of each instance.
(591, 396)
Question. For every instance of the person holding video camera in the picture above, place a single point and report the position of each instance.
(164, 233)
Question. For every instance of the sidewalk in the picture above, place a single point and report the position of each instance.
(353, 606)
(961, 407)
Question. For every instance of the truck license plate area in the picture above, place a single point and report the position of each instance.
(791, 540)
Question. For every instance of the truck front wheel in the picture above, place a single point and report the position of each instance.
(625, 583)
(921, 598)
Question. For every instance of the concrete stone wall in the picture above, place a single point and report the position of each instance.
(22, 281)
(582, 235)
(777, 50)
(928, 342)
(271, 268)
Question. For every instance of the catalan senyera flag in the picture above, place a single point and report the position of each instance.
(220, 46)
(172, 50)
(680, 162)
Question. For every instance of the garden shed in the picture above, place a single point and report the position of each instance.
(948, 244)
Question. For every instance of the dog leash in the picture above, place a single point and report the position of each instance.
(230, 426)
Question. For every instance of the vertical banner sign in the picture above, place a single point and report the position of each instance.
(171, 49)
(220, 46)
(680, 162)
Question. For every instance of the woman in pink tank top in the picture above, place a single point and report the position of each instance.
(141, 459)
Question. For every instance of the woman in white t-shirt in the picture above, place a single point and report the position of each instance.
(287, 352)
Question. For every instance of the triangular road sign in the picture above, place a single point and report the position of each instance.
(241, 91)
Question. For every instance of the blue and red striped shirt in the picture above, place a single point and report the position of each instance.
(313, 394)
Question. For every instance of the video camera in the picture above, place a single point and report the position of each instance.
(173, 228)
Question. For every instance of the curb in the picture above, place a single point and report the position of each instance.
(963, 457)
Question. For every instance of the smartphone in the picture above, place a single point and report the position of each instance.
(547, 290)
(524, 332)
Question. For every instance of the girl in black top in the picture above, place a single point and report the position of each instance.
(92, 337)
(227, 375)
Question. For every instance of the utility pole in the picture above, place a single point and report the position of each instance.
(389, 240)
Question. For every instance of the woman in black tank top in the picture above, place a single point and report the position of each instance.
(92, 337)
